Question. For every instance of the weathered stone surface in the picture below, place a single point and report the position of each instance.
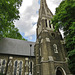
(53, 53)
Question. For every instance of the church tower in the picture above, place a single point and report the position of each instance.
(50, 54)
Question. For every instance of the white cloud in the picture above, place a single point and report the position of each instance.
(25, 4)
(52, 4)
(29, 16)
(30, 38)
(32, 31)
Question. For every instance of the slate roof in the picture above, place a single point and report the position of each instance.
(16, 47)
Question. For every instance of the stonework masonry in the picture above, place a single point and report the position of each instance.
(50, 54)
(9, 65)
(47, 56)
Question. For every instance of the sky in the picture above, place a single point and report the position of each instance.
(29, 12)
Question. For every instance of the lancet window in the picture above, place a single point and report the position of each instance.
(2, 65)
(31, 67)
(49, 24)
(20, 68)
(46, 22)
(15, 68)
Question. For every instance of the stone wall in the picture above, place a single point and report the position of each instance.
(16, 65)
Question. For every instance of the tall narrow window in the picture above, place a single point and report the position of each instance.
(49, 24)
(46, 22)
(20, 68)
(31, 67)
(3, 66)
(15, 68)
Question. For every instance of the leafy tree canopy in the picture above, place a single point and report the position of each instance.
(8, 13)
(65, 18)
(13, 32)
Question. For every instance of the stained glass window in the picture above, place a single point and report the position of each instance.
(20, 68)
(15, 68)
(46, 22)
(3, 66)
(49, 24)
(31, 67)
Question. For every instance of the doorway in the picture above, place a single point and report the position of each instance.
(60, 71)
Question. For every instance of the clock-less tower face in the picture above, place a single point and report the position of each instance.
(49, 49)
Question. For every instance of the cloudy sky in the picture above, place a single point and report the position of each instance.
(29, 15)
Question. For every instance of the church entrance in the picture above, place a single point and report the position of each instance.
(59, 71)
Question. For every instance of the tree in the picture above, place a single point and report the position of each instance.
(13, 32)
(65, 18)
(8, 13)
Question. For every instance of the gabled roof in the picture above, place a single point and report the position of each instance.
(16, 47)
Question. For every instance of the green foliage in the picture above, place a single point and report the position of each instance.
(65, 18)
(13, 33)
(8, 13)
(71, 61)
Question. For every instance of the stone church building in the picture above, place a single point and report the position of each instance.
(47, 56)
(16, 56)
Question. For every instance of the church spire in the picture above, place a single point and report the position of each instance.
(44, 10)
(49, 48)
(44, 22)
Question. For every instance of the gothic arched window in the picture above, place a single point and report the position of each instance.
(31, 67)
(15, 68)
(3, 66)
(55, 48)
(46, 22)
(49, 24)
(20, 68)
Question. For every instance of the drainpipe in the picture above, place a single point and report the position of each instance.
(30, 60)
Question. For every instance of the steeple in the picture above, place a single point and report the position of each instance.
(44, 21)
(44, 10)
(49, 48)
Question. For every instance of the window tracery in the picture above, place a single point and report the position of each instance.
(2, 65)
(15, 68)
(49, 24)
(18, 67)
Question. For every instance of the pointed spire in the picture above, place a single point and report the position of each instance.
(44, 18)
(44, 10)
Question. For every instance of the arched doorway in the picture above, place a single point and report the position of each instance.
(60, 71)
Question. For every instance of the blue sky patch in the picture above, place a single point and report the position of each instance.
(34, 23)
(37, 12)
(29, 38)
(39, 1)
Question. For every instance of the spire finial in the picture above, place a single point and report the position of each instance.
(44, 10)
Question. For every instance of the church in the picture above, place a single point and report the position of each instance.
(46, 56)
